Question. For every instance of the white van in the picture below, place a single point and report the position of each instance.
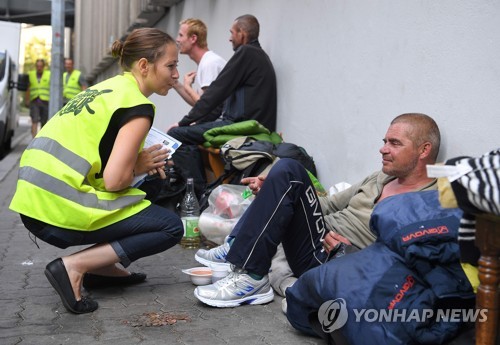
(9, 82)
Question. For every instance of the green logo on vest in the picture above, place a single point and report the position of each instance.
(83, 99)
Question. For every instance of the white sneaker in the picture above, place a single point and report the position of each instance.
(215, 256)
(234, 290)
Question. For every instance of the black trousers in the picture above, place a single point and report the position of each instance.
(187, 158)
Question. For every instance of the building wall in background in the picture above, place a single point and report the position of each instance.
(345, 68)
(99, 23)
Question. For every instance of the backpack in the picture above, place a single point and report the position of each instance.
(246, 157)
(171, 190)
(244, 151)
(289, 150)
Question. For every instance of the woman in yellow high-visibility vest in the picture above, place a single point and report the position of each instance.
(75, 176)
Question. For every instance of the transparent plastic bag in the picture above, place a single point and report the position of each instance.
(226, 204)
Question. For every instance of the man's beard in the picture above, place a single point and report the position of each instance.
(403, 171)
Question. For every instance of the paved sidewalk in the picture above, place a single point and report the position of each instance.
(32, 312)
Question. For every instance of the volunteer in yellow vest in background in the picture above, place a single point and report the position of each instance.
(73, 81)
(38, 95)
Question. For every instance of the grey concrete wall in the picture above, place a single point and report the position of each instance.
(345, 68)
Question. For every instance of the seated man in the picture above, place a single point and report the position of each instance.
(246, 86)
(247, 83)
(311, 229)
(192, 41)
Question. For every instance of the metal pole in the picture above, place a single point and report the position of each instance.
(56, 66)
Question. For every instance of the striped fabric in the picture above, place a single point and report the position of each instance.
(477, 191)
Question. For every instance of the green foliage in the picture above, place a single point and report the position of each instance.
(36, 48)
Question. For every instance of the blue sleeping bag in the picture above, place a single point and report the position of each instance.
(386, 293)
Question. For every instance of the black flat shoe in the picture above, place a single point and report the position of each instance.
(94, 281)
(58, 277)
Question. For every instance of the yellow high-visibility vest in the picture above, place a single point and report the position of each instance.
(60, 176)
(39, 88)
(71, 86)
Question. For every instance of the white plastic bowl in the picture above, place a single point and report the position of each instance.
(199, 275)
(219, 272)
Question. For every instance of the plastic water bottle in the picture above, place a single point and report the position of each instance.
(190, 215)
